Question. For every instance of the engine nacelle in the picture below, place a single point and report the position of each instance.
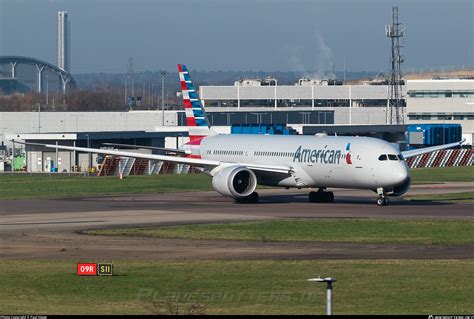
(235, 181)
(401, 189)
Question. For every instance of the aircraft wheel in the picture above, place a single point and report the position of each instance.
(251, 199)
(329, 197)
(386, 201)
(381, 201)
(312, 196)
(321, 197)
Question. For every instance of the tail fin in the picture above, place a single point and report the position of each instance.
(196, 118)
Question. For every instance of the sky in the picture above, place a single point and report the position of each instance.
(247, 35)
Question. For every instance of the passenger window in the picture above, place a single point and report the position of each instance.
(383, 157)
(392, 157)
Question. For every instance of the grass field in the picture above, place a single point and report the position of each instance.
(32, 186)
(467, 197)
(243, 287)
(421, 232)
(443, 174)
(37, 186)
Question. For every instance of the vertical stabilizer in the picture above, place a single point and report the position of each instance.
(196, 118)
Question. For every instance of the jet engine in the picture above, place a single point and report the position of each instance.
(235, 181)
(401, 189)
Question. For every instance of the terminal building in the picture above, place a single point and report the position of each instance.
(305, 93)
(309, 101)
(449, 101)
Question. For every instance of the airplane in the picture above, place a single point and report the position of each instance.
(238, 163)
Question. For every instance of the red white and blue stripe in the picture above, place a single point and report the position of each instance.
(195, 115)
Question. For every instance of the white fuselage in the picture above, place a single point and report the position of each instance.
(316, 161)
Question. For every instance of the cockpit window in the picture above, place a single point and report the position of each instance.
(392, 157)
(400, 157)
(383, 157)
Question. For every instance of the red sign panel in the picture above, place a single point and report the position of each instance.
(87, 269)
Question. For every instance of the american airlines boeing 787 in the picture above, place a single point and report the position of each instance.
(238, 163)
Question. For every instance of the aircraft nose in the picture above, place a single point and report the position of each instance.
(400, 174)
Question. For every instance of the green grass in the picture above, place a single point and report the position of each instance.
(467, 197)
(423, 232)
(33, 186)
(240, 287)
(443, 174)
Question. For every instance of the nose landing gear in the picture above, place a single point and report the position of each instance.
(382, 200)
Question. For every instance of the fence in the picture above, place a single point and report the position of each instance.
(443, 158)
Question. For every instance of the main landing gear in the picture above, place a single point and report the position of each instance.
(382, 200)
(321, 196)
(251, 199)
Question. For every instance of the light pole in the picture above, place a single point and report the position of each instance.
(88, 156)
(47, 89)
(329, 282)
(163, 74)
(39, 117)
(3, 134)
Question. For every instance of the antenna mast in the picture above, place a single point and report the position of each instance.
(395, 31)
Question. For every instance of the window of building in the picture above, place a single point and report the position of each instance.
(444, 117)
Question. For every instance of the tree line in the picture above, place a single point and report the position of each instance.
(109, 99)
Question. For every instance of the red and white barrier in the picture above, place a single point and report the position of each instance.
(442, 158)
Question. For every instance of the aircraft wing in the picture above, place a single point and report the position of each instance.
(207, 164)
(173, 150)
(424, 150)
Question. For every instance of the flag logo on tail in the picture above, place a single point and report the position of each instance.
(195, 115)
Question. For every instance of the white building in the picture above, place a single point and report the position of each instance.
(442, 101)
